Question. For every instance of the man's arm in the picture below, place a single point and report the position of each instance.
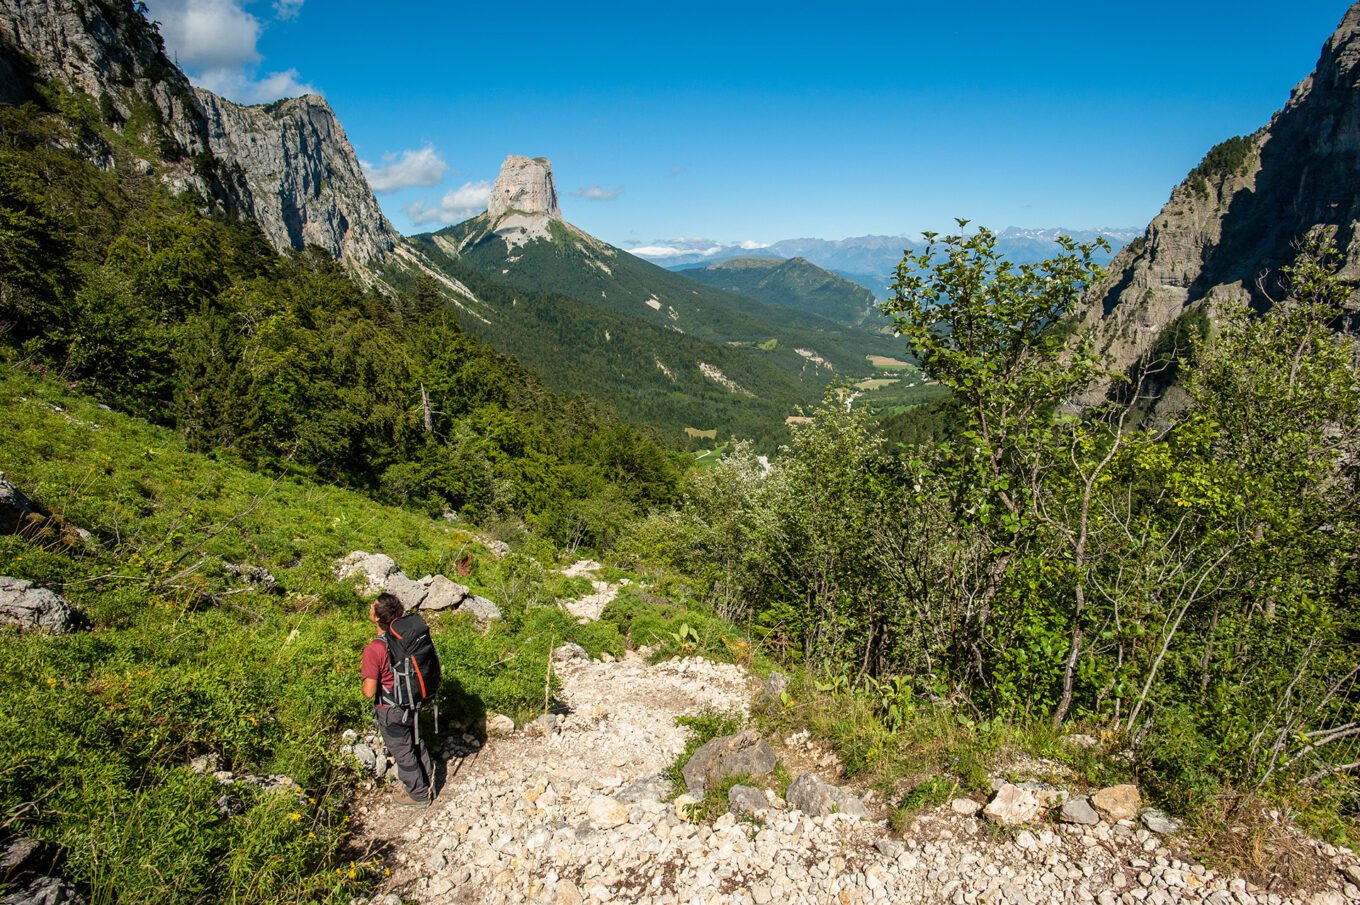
(370, 687)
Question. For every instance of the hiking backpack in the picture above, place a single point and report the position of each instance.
(414, 662)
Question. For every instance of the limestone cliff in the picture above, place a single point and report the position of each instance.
(524, 185)
(305, 184)
(1236, 220)
(523, 208)
(287, 165)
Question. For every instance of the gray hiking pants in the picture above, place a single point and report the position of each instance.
(415, 769)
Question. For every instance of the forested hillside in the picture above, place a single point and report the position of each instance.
(796, 284)
(1186, 588)
(284, 362)
(657, 347)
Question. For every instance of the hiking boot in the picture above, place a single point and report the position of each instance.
(402, 799)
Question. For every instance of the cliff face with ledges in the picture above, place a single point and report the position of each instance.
(1237, 219)
(286, 165)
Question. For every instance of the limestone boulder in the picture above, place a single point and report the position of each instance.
(729, 755)
(1117, 803)
(746, 801)
(571, 652)
(1013, 806)
(483, 610)
(498, 725)
(966, 807)
(1158, 822)
(815, 798)
(372, 569)
(543, 726)
(411, 594)
(1079, 811)
(441, 593)
(31, 607)
(649, 789)
(606, 813)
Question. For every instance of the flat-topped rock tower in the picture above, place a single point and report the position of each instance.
(524, 186)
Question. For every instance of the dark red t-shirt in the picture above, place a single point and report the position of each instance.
(375, 665)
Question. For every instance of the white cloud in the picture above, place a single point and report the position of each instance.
(208, 34)
(214, 41)
(246, 89)
(423, 167)
(597, 193)
(458, 204)
(659, 251)
(287, 9)
(693, 247)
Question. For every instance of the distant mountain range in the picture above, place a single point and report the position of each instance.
(871, 260)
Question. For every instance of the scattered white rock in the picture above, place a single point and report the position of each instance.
(584, 815)
(1012, 806)
(30, 607)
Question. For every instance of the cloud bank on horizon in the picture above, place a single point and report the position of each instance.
(687, 246)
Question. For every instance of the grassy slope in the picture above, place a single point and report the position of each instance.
(175, 666)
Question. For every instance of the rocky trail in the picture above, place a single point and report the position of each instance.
(574, 808)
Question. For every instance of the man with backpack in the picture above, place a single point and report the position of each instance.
(400, 670)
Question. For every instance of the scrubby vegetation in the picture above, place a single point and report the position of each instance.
(1190, 589)
(1225, 159)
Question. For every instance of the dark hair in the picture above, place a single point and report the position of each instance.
(388, 609)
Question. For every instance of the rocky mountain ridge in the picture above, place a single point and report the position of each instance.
(287, 165)
(1239, 217)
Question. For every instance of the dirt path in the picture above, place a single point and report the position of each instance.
(573, 809)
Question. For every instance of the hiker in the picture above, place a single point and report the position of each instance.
(399, 725)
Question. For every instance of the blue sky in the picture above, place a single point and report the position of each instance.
(758, 123)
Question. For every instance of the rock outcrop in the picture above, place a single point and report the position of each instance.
(376, 573)
(815, 798)
(742, 754)
(1237, 219)
(16, 510)
(524, 186)
(523, 203)
(286, 165)
(304, 180)
(30, 607)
